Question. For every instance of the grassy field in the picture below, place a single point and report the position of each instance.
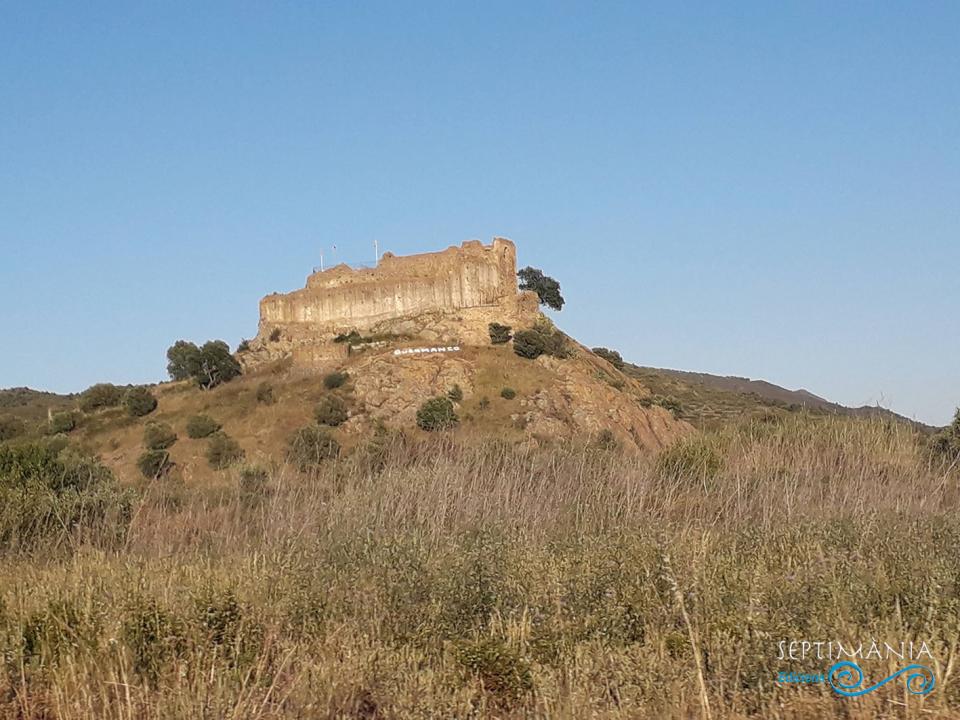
(447, 579)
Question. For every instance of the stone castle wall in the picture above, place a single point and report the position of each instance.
(451, 294)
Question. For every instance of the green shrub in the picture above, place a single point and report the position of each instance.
(508, 393)
(253, 481)
(504, 672)
(101, 395)
(62, 422)
(667, 403)
(455, 393)
(351, 337)
(201, 426)
(218, 614)
(265, 393)
(223, 451)
(275, 335)
(11, 427)
(499, 334)
(154, 463)
(696, 457)
(158, 436)
(331, 411)
(437, 414)
(528, 344)
(243, 346)
(49, 494)
(333, 380)
(555, 344)
(542, 339)
(484, 403)
(946, 443)
(153, 635)
(310, 446)
(611, 356)
(139, 401)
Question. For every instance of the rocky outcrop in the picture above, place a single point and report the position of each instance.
(586, 401)
(578, 397)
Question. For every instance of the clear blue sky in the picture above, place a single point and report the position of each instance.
(760, 189)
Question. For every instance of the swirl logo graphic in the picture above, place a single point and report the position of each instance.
(847, 677)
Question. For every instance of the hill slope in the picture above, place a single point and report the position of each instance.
(709, 399)
(500, 395)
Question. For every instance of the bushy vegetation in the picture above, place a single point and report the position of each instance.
(331, 410)
(946, 443)
(611, 356)
(223, 451)
(486, 581)
(606, 440)
(437, 414)
(208, 365)
(154, 463)
(310, 446)
(201, 426)
(542, 339)
(158, 436)
(500, 334)
(455, 393)
(62, 422)
(139, 401)
(667, 403)
(528, 344)
(253, 482)
(11, 427)
(352, 337)
(546, 288)
(265, 394)
(99, 396)
(51, 495)
(508, 393)
(332, 381)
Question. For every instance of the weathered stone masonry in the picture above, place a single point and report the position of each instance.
(451, 295)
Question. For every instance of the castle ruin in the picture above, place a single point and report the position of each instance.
(447, 296)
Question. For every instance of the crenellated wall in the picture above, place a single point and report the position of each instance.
(473, 284)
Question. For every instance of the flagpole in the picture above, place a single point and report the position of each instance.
(376, 253)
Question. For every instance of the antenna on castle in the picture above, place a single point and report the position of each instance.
(321, 261)
(376, 253)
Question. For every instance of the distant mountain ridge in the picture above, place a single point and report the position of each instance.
(715, 397)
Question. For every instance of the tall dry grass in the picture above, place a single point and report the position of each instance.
(484, 580)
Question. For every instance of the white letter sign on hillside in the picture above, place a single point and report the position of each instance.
(422, 351)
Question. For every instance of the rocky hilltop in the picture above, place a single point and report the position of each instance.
(410, 330)
(414, 327)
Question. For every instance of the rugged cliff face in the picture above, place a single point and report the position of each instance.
(448, 296)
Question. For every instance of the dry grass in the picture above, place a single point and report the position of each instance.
(457, 580)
